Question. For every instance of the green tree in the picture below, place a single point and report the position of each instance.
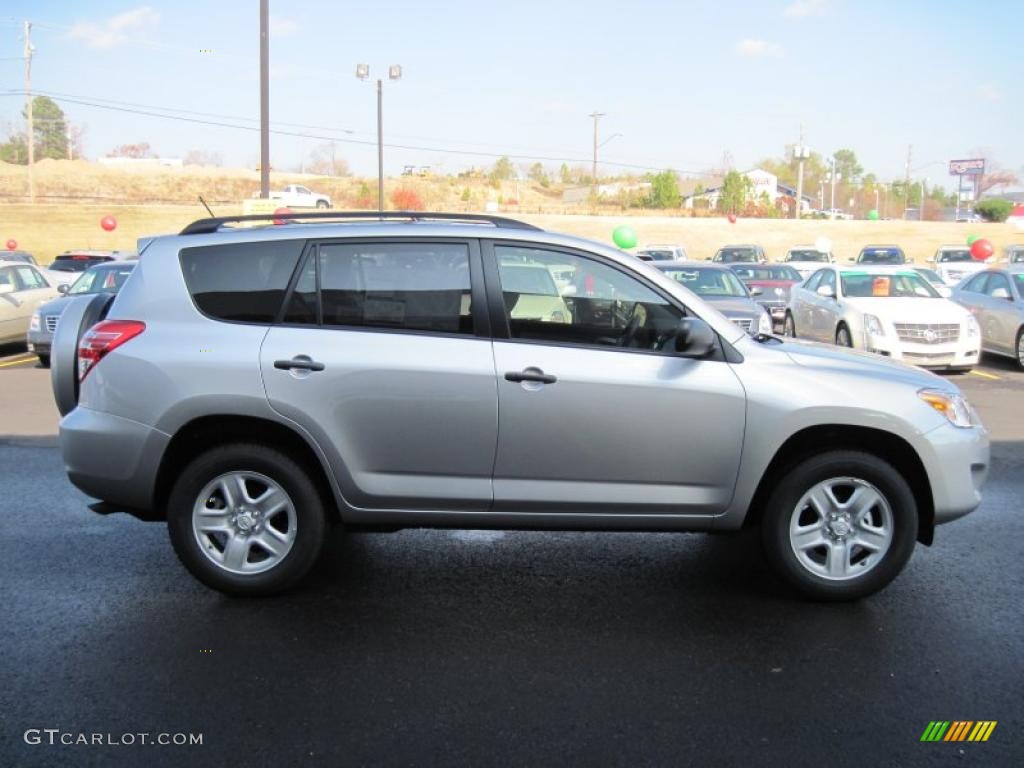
(50, 128)
(503, 170)
(664, 190)
(538, 174)
(735, 190)
(565, 174)
(14, 150)
(846, 165)
(993, 209)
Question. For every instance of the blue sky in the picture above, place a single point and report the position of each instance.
(682, 82)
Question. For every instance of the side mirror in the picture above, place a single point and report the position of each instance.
(756, 290)
(62, 287)
(694, 338)
(826, 292)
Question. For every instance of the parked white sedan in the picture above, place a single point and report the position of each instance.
(954, 263)
(891, 311)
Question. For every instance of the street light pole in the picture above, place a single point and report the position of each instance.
(380, 146)
(832, 178)
(593, 176)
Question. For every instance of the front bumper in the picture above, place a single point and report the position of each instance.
(112, 458)
(957, 462)
(39, 342)
(959, 354)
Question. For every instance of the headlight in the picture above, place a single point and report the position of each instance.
(953, 406)
(34, 323)
(873, 326)
(764, 324)
(972, 326)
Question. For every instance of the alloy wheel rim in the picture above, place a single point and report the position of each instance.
(841, 528)
(244, 522)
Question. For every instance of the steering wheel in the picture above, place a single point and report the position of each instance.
(629, 333)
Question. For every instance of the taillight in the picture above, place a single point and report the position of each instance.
(102, 339)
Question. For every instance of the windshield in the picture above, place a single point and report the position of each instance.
(960, 254)
(930, 274)
(709, 282)
(1016, 255)
(734, 255)
(881, 256)
(768, 273)
(897, 285)
(1019, 279)
(101, 280)
(806, 255)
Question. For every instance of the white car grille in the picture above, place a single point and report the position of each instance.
(51, 322)
(928, 333)
(743, 322)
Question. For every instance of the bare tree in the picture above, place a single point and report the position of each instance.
(324, 161)
(203, 157)
(137, 151)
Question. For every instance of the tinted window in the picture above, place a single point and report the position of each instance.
(656, 255)
(828, 279)
(814, 280)
(7, 280)
(801, 254)
(1018, 278)
(736, 255)
(976, 283)
(881, 256)
(768, 272)
(708, 282)
(77, 262)
(241, 281)
(592, 304)
(30, 279)
(404, 286)
(959, 254)
(304, 306)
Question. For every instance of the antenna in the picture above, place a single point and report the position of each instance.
(206, 206)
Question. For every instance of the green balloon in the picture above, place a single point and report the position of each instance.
(624, 237)
(872, 215)
(971, 239)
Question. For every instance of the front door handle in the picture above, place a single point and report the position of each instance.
(298, 363)
(531, 374)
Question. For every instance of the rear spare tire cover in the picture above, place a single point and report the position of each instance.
(78, 316)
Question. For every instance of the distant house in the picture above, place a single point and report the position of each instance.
(764, 183)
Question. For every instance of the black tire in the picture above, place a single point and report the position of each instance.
(789, 326)
(797, 481)
(843, 337)
(44, 361)
(311, 522)
(1019, 347)
(322, 204)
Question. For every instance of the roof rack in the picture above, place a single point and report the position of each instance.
(208, 226)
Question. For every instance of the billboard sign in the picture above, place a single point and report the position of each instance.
(967, 167)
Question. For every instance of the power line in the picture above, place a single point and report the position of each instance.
(444, 150)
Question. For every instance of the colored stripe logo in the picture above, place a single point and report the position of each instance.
(958, 730)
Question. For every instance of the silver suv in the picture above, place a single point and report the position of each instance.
(252, 385)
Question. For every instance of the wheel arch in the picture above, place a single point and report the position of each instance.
(209, 431)
(886, 445)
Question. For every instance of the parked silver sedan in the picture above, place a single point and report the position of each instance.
(996, 298)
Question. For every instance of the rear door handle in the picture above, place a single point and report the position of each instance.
(531, 374)
(298, 363)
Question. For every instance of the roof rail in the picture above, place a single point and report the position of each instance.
(208, 226)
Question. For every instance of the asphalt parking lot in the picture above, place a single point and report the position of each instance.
(434, 647)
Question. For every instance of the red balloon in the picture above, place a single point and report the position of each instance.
(280, 211)
(981, 250)
(12, 244)
(109, 223)
(732, 218)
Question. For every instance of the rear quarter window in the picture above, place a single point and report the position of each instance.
(240, 282)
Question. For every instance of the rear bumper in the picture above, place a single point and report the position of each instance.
(957, 466)
(112, 458)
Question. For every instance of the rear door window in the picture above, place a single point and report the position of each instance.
(399, 286)
(241, 282)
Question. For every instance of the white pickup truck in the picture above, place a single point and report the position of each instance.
(298, 196)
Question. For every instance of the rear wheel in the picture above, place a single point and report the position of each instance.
(322, 204)
(1020, 347)
(843, 338)
(840, 526)
(789, 326)
(246, 519)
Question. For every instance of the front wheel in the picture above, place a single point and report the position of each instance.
(1020, 347)
(322, 204)
(843, 338)
(246, 519)
(840, 526)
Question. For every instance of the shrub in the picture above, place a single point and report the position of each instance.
(993, 210)
(405, 199)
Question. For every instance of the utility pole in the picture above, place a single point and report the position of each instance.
(924, 183)
(801, 154)
(593, 183)
(380, 145)
(29, 50)
(906, 184)
(265, 99)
